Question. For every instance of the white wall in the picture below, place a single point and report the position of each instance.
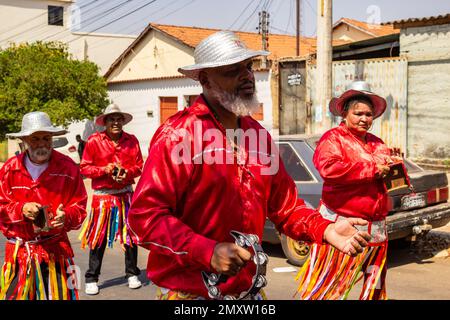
(428, 52)
(139, 97)
(27, 21)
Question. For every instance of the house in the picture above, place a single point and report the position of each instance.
(353, 30)
(425, 43)
(411, 69)
(57, 20)
(145, 80)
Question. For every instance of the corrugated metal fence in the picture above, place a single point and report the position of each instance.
(387, 78)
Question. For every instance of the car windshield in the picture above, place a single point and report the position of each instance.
(59, 142)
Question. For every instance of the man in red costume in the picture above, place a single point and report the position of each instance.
(42, 197)
(112, 159)
(199, 183)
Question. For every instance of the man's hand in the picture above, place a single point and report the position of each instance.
(228, 258)
(345, 237)
(109, 168)
(60, 218)
(30, 210)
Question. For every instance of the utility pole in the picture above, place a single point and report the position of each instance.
(263, 29)
(324, 63)
(298, 28)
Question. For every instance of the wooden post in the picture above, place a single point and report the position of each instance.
(324, 64)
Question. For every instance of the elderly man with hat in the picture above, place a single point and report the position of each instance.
(112, 159)
(186, 203)
(42, 197)
(352, 163)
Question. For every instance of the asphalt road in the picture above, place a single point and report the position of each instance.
(412, 274)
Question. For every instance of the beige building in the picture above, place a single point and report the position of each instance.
(425, 43)
(145, 80)
(353, 30)
(55, 20)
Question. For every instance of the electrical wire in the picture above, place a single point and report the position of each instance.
(242, 12)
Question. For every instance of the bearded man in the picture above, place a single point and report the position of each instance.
(42, 197)
(186, 203)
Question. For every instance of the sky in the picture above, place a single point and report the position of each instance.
(132, 16)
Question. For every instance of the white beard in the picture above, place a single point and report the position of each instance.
(235, 104)
(38, 155)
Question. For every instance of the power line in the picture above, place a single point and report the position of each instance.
(97, 18)
(36, 17)
(290, 16)
(277, 10)
(38, 29)
(312, 8)
(176, 10)
(168, 14)
(249, 17)
(249, 4)
(117, 19)
(38, 34)
(279, 29)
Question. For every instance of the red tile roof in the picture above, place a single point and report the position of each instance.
(279, 45)
(419, 22)
(375, 30)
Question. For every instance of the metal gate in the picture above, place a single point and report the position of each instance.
(387, 78)
(292, 88)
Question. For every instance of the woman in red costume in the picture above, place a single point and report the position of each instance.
(352, 163)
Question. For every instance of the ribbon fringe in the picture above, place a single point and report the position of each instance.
(107, 222)
(30, 282)
(329, 274)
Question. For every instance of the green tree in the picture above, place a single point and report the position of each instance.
(43, 76)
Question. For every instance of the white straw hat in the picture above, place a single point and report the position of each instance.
(111, 109)
(219, 49)
(36, 121)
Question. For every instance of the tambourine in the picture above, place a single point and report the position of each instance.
(212, 280)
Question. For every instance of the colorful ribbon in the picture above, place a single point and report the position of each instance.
(107, 222)
(329, 274)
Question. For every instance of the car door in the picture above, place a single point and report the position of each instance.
(297, 159)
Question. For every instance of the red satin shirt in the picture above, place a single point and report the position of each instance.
(60, 183)
(349, 169)
(181, 211)
(100, 151)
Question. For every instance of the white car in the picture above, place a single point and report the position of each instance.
(61, 144)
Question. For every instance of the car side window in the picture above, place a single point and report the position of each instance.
(293, 164)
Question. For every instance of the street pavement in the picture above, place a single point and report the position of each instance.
(411, 275)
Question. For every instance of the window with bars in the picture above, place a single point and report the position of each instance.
(55, 16)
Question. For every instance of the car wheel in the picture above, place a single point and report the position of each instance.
(295, 251)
